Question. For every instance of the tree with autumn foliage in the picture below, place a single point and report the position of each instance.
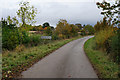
(89, 29)
(48, 31)
(65, 30)
(73, 30)
(79, 26)
(112, 12)
(103, 24)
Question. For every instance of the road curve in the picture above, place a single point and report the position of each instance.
(68, 61)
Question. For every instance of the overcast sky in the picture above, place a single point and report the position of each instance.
(74, 11)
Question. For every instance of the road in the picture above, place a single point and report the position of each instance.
(68, 61)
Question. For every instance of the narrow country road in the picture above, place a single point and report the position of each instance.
(68, 61)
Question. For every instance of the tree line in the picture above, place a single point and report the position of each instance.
(15, 33)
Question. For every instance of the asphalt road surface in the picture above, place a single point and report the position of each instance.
(68, 61)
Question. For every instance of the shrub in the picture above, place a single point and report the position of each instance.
(25, 37)
(65, 30)
(55, 37)
(102, 36)
(115, 47)
(19, 48)
(35, 40)
(48, 31)
(89, 29)
(10, 38)
(82, 32)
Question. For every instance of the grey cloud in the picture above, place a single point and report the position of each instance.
(52, 12)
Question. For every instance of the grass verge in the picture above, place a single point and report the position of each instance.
(103, 65)
(13, 62)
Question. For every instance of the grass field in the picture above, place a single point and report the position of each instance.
(103, 65)
(14, 62)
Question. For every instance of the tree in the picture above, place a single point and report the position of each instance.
(15, 21)
(103, 24)
(12, 22)
(65, 30)
(26, 13)
(52, 27)
(89, 29)
(73, 30)
(48, 31)
(9, 20)
(46, 24)
(110, 10)
(79, 26)
(60, 26)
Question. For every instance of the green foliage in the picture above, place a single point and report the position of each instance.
(55, 37)
(9, 20)
(46, 24)
(36, 28)
(89, 29)
(15, 61)
(79, 26)
(105, 67)
(48, 31)
(10, 38)
(103, 36)
(12, 20)
(115, 47)
(26, 13)
(65, 30)
(103, 25)
(83, 32)
(110, 10)
(73, 30)
(13, 37)
(35, 40)
(106, 32)
(25, 37)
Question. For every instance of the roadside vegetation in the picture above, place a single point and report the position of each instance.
(104, 49)
(102, 63)
(14, 62)
(0, 51)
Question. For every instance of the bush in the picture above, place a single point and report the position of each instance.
(102, 36)
(115, 47)
(10, 38)
(19, 48)
(25, 37)
(13, 37)
(89, 29)
(48, 31)
(55, 37)
(35, 40)
(82, 32)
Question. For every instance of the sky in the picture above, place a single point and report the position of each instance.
(51, 11)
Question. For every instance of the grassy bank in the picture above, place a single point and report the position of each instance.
(103, 65)
(14, 62)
